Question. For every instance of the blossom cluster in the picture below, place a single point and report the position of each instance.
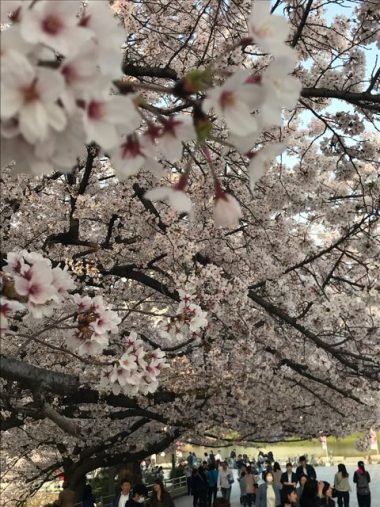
(58, 60)
(94, 323)
(248, 104)
(31, 284)
(136, 371)
(188, 322)
(362, 444)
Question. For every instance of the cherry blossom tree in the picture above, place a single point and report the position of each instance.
(190, 225)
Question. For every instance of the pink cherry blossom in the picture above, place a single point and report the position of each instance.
(8, 307)
(36, 284)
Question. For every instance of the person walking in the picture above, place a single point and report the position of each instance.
(243, 489)
(124, 494)
(289, 478)
(212, 484)
(160, 497)
(268, 495)
(277, 474)
(302, 482)
(188, 471)
(199, 487)
(305, 469)
(327, 493)
(342, 486)
(250, 483)
(137, 496)
(225, 480)
(288, 496)
(312, 493)
(88, 497)
(362, 480)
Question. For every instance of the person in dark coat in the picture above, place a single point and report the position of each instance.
(199, 487)
(327, 493)
(312, 493)
(138, 496)
(160, 497)
(302, 481)
(289, 478)
(362, 479)
(124, 494)
(305, 469)
(88, 497)
(288, 496)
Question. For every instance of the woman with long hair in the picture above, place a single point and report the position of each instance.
(362, 480)
(312, 493)
(160, 497)
(342, 486)
(288, 496)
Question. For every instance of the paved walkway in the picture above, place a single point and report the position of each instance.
(323, 474)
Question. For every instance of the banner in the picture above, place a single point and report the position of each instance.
(372, 440)
(323, 441)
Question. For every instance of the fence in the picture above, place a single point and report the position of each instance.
(176, 487)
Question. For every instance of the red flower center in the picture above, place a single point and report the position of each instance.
(95, 110)
(52, 24)
(227, 99)
(31, 92)
(131, 148)
(69, 73)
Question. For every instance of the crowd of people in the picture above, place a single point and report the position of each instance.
(263, 484)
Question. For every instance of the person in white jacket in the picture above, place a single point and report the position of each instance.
(225, 480)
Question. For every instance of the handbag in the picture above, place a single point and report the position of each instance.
(230, 479)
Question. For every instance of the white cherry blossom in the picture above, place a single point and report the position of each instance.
(31, 94)
(234, 101)
(282, 90)
(227, 211)
(104, 113)
(175, 130)
(109, 36)
(128, 157)
(175, 196)
(268, 31)
(54, 24)
(261, 161)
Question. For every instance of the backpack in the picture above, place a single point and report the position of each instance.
(362, 484)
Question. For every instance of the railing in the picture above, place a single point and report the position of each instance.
(176, 487)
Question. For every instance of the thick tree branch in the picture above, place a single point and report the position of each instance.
(362, 99)
(34, 377)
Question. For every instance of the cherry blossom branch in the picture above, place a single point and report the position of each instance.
(362, 99)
